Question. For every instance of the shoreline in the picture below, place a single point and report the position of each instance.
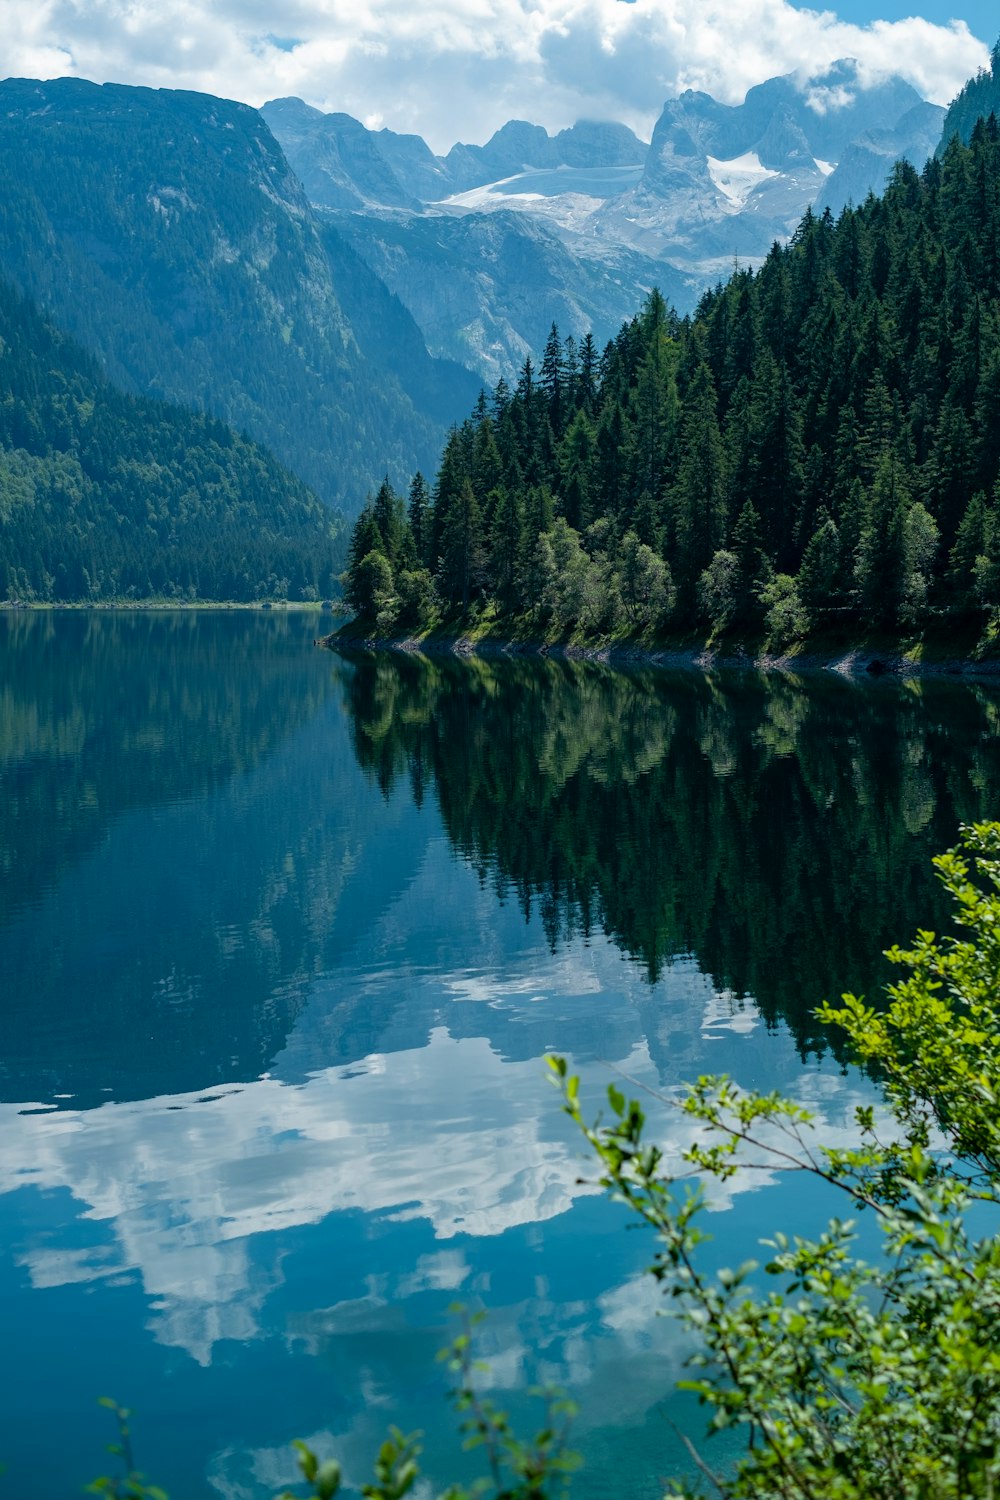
(856, 661)
(151, 606)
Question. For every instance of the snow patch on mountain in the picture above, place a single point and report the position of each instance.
(485, 246)
(737, 179)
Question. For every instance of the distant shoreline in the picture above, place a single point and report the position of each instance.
(136, 606)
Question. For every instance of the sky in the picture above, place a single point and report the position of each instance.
(457, 69)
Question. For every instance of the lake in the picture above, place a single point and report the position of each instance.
(284, 936)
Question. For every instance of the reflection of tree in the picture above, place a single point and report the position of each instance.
(779, 831)
(181, 959)
(104, 712)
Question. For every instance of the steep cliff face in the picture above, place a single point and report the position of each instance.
(339, 163)
(866, 164)
(485, 288)
(728, 180)
(167, 232)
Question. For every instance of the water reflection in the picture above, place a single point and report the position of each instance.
(778, 830)
(328, 1222)
(284, 936)
(105, 712)
(179, 826)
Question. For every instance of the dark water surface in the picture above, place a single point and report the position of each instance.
(283, 938)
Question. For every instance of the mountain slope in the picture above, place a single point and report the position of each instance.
(979, 99)
(486, 288)
(816, 449)
(866, 164)
(591, 218)
(166, 231)
(108, 496)
(728, 180)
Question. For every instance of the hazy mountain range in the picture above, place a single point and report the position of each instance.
(487, 245)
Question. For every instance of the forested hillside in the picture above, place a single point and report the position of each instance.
(109, 496)
(979, 99)
(166, 232)
(818, 444)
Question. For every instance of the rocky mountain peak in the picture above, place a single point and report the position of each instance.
(783, 143)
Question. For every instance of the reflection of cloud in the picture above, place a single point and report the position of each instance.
(630, 1310)
(725, 1011)
(450, 1133)
(447, 1133)
(443, 1272)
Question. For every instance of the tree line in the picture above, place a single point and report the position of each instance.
(816, 445)
(109, 496)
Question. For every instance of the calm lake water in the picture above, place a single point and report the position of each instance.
(283, 938)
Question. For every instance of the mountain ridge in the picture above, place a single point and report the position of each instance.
(192, 265)
(613, 214)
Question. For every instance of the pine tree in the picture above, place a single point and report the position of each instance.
(462, 561)
(418, 515)
(366, 538)
(552, 382)
(577, 471)
(819, 575)
(753, 568)
(506, 546)
(881, 556)
(390, 518)
(698, 504)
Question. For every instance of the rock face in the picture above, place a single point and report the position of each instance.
(485, 288)
(866, 163)
(339, 162)
(167, 233)
(592, 217)
(723, 181)
(341, 170)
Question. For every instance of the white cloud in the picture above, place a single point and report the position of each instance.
(455, 69)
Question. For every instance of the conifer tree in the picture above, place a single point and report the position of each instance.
(698, 497)
(462, 556)
(819, 574)
(418, 515)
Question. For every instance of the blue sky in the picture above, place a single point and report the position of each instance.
(457, 69)
(982, 19)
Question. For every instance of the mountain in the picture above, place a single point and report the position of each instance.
(979, 99)
(109, 496)
(723, 181)
(866, 163)
(519, 147)
(337, 161)
(592, 217)
(342, 165)
(816, 449)
(486, 288)
(166, 232)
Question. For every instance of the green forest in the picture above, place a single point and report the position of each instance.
(109, 496)
(166, 233)
(815, 448)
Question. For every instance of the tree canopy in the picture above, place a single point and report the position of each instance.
(818, 442)
(109, 496)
